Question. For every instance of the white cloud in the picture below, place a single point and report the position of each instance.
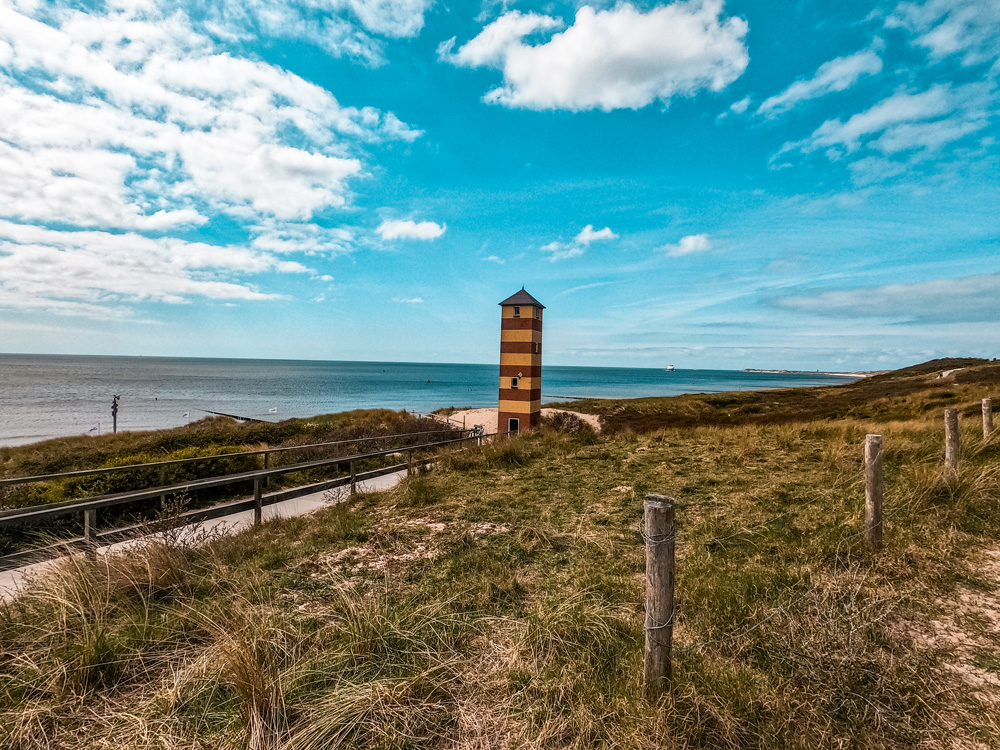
(309, 239)
(494, 259)
(137, 119)
(741, 106)
(921, 124)
(138, 113)
(968, 299)
(91, 272)
(492, 45)
(588, 235)
(969, 29)
(409, 300)
(399, 229)
(693, 243)
(584, 287)
(342, 28)
(562, 251)
(836, 75)
(608, 59)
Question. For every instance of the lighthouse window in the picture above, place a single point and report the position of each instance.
(538, 348)
(517, 312)
(538, 314)
(513, 382)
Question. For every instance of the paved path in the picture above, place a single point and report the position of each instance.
(11, 580)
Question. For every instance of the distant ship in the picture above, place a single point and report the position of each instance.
(670, 368)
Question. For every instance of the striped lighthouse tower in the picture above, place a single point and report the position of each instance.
(520, 363)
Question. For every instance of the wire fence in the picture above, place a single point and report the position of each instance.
(659, 632)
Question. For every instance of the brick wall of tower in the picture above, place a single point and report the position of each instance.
(521, 358)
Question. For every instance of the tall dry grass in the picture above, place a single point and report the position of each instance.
(496, 601)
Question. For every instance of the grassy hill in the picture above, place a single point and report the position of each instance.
(497, 600)
(901, 394)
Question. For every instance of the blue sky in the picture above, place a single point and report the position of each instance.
(743, 184)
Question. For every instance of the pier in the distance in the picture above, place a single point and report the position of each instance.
(520, 363)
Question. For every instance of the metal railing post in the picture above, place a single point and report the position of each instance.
(90, 533)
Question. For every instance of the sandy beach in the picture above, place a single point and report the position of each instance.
(488, 418)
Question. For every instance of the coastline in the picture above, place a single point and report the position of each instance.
(859, 374)
(50, 396)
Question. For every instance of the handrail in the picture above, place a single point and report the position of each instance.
(177, 461)
(15, 516)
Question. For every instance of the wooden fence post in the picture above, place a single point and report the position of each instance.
(267, 465)
(952, 444)
(409, 463)
(90, 533)
(874, 490)
(987, 418)
(354, 480)
(258, 505)
(658, 513)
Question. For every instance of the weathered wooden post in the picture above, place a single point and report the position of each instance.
(987, 418)
(409, 463)
(163, 482)
(952, 445)
(90, 533)
(874, 490)
(658, 512)
(258, 505)
(354, 479)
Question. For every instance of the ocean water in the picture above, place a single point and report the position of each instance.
(46, 396)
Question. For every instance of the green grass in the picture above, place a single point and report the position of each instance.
(497, 600)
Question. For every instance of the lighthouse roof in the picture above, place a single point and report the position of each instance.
(522, 298)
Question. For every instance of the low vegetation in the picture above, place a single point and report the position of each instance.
(496, 602)
(218, 437)
(902, 394)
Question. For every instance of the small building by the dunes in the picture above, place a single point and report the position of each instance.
(520, 363)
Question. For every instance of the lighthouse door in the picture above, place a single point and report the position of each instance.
(513, 426)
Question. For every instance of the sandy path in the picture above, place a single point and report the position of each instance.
(488, 418)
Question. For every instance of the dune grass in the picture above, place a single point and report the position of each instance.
(217, 437)
(496, 601)
(901, 394)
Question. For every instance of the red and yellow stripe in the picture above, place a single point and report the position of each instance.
(521, 358)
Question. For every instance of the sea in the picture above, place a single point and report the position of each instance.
(51, 396)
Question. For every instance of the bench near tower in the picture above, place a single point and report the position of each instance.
(520, 363)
